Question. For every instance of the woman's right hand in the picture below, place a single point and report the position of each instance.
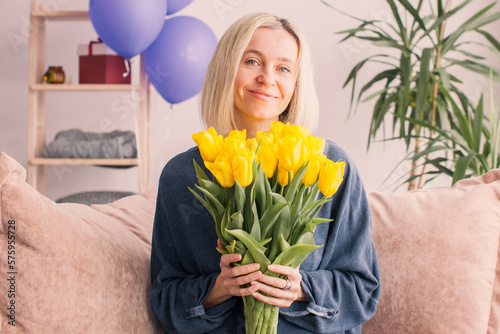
(231, 278)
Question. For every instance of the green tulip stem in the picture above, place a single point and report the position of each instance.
(260, 318)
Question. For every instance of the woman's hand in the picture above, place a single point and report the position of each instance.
(274, 287)
(230, 279)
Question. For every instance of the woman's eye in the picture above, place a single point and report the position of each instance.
(284, 69)
(251, 62)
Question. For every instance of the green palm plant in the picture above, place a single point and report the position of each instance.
(418, 57)
(470, 147)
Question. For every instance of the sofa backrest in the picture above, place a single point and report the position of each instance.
(86, 269)
(73, 268)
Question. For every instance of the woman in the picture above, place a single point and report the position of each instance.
(260, 72)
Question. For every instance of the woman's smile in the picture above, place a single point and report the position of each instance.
(263, 95)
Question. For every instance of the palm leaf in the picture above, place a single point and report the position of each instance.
(382, 107)
(473, 66)
(414, 13)
(461, 166)
(463, 124)
(470, 54)
(477, 124)
(476, 21)
(354, 74)
(388, 75)
(423, 81)
(490, 38)
(402, 29)
(440, 19)
(494, 126)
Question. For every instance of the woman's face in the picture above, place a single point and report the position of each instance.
(265, 80)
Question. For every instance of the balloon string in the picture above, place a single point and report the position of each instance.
(127, 67)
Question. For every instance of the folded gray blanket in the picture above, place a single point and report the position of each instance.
(75, 143)
(94, 197)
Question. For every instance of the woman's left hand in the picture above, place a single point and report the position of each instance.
(274, 287)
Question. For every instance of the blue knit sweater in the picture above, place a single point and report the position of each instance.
(341, 278)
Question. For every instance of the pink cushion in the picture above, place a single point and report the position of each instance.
(438, 253)
(78, 269)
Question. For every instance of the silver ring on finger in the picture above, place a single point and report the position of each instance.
(288, 285)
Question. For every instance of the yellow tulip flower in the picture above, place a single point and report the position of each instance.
(289, 152)
(330, 177)
(221, 169)
(242, 167)
(265, 138)
(316, 162)
(278, 128)
(232, 147)
(209, 144)
(315, 144)
(268, 158)
(299, 131)
(281, 130)
(251, 144)
(304, 155)
(239, 135)
(283, 175)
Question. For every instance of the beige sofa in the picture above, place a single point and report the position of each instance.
(81, 269)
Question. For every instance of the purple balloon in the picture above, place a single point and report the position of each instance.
(127, 26)
(177, 61)
(176, 5)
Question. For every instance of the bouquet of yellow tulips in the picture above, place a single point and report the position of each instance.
(264, 199)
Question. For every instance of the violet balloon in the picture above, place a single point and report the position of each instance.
(127, 26)
(176, 5)
(177, 61)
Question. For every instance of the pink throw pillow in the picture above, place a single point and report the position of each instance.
(438, 254)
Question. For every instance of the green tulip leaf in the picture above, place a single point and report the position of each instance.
(247, 258)
(292, 187)
(264, 242)
(230, 247)
(236, 222)
(269, 218)
(211, 198)
(214, 189)
(223, 224)
(280, 229)
(287, 257)
(253, 246)
(260, 189)
(200, 173)
(239, 196)
(277, 198)
(284, 245)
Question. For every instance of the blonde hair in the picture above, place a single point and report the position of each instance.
(217, 103)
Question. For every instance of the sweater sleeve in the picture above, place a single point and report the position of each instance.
(178, 290)
(345, 288)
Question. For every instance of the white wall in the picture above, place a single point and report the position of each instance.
(173, 125)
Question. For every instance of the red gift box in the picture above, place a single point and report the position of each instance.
(100, 64)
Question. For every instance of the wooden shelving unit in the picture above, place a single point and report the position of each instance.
(36, 105)
(83, 87)
(89, 162)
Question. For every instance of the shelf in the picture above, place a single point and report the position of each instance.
(60, 15)
(40, 17)
(83, 87)
(88, 162)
